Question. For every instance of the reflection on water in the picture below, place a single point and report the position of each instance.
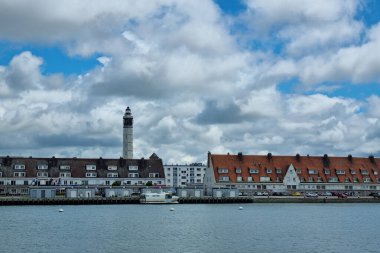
(191, 228)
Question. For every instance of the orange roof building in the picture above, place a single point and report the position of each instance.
(282, 173)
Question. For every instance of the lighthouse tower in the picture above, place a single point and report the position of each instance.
(128, 134)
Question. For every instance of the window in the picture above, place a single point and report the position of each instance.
(91, 174)
(42, 167)
(340, 172)
(154, 175)
(19, 167)
(168, 169)
(1, 174)
(133, 174)
(365, 172)
(42, 174)
(353, 172)
(367, 180)
(327, 171)
(333, 179)
(224, 179)
(264, 179)
(19, 174)
(249, 179)
(279, 171)
(90, 167)
(64, 167)
(346, 180)
(112, 167)
(113, 174)
(311, 179)
(313, 172)
(268, 171)
(298, 171)
(222, 170)
(1, 182)
(26, 182)
(254, 171)
(356, 180)
(319, 179)
(133, 167)
(238, 170)
(375, 172)
(64, 174)
(239, 179)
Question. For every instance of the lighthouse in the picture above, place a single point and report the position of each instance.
(128, 134)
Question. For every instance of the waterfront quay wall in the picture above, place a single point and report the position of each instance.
(189, 200)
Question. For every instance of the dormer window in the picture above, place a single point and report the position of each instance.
(327, 171)
(279, 171)
(299, 171)
(64, 167)
(64, 174)
(19, 167)
(353, 172)
(112, 167)
(19, 174)
(340, 172)
(238, 170)
(346, 180)
(113, 174)
(42, 167)
(333, 180)
(133, 174)
(224, 179)
(268, 171)
(154, 174)
(222, 170)
(91, 174)
(365, 172)
(90, 167)
(254, 171)
(42, 174)
(313, 172)
(133, 167)
(367, 180)
(239, 179)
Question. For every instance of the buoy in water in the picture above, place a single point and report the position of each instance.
(240, 208)
(60, 210)
(172, 209)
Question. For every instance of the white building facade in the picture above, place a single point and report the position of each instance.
(184, 175)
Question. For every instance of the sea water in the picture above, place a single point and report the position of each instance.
(191, 228)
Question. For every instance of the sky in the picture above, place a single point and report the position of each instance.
(251, 76)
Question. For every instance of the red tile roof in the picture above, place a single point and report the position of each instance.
(345, 165)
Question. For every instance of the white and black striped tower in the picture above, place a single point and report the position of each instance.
(128, 134)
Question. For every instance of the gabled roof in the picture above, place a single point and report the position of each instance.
(278, 165)
(78, 166)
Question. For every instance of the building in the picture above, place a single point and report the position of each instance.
(184, 175)
(17, 174)
(250, 173)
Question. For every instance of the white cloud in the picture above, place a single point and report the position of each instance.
(191, 86)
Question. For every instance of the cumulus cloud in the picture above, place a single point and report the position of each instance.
(192, 85)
